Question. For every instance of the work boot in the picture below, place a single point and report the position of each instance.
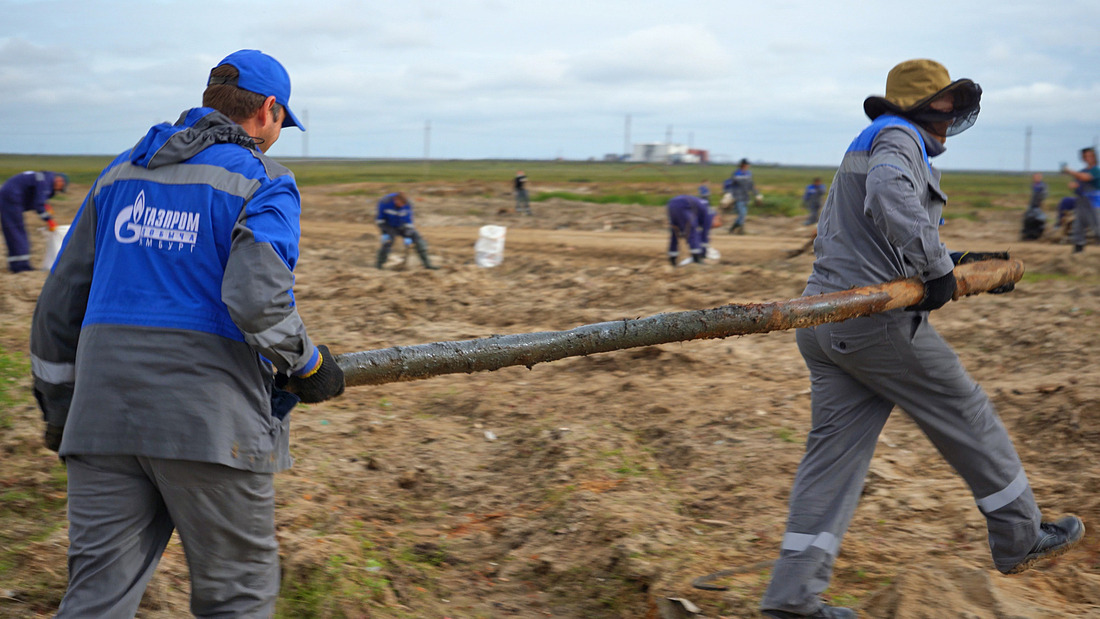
(422, 251)
(1078, 249)
(1055, 538)
(383, 253)
(825, 612)
(734, 227)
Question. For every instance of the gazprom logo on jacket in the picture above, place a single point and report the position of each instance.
(136, 223)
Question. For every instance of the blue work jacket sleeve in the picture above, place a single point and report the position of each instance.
(259, 276)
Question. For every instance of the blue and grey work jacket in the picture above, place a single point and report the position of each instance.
(172, 296)
(393, 216)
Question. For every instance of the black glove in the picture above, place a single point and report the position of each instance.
(52, 437)
(937, 292)
(55, 410)
(327, 381)
(967, 257)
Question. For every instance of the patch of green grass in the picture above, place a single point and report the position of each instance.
(625, 464)
(1032, 277)
(781, 185)
(844, 599)
(434, 555)
(13, 369)
(31, 512)
(559, 494)
(786, 435)
(645, 199)
(777, 204)
(968, 216)
(342, 583)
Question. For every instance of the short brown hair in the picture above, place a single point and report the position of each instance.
(223, 95)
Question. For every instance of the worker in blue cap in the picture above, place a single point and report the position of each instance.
(177, 280)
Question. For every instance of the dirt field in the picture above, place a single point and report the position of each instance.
(601, 486)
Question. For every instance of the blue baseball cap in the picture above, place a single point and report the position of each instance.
(263, 75)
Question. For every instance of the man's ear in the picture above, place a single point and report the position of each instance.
(268, 109)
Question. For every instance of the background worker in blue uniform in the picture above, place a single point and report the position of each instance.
(689, 219)
(1039, 191)
(812, 199)
(1087, 213)
(24, 192)
(743, 190)
(157, 342)
(395, 220)
(880, 223)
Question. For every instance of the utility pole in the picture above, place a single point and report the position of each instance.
(1027, 150)
(427, 147)
(627, 150)
(305, 134)
(668, 145)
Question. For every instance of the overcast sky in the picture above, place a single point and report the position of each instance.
(771, 80)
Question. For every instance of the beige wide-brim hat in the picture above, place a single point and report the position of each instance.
(914, 83)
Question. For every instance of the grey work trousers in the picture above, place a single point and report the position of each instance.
(1086, 218)
(523, 202)
(859, 370)
(122, 511)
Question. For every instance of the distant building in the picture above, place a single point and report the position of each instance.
(663, 152)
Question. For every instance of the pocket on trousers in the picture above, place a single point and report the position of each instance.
(856, 337)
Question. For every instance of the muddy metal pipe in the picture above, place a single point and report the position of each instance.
(403, 363)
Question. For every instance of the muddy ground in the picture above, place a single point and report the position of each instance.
(601, 486)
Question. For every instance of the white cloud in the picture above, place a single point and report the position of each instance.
(671, 53)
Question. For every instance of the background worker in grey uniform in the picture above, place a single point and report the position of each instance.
(743, 190)
(153, 345)
(1087, 213)
(879, 224)
(523, 202)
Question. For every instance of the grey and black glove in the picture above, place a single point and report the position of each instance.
(937, 292)
(966, 257)
(52, 437)
(54, 402)
(324, 382)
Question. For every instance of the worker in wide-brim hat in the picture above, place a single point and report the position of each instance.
(918, 90)
(881, 223)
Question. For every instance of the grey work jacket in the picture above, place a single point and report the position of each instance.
(881, 219)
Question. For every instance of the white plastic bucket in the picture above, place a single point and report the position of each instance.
(489, 249)
(53, 246)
